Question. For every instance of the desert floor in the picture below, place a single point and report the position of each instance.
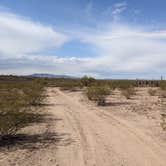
(79, 133)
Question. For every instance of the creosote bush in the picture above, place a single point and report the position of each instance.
(17, 103)
(98, 94)
(87, 81)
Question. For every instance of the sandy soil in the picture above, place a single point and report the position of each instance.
(78, 133)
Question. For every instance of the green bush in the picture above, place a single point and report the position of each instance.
(98, 94)
(87, 81)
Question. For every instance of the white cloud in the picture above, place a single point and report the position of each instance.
(22, 42)
(19, 35)
(122, 49)
(41, 63)
(127, 49)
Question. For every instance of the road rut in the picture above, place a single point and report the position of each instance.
(99, 138)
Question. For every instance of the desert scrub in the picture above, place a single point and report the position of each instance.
(12, 121)
(12, 106)
(162, 89)
(33, 93)
(70, 85)
(128, 92)
(127, 88)
(152, 92)
(98, 94)
(16, 106)
(162, 85)
(87, 81)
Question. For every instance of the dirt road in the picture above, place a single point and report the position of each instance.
(78, 133)
(97, 138)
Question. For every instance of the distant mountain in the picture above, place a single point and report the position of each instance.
(45, 75)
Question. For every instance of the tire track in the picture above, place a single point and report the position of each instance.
(106, 140)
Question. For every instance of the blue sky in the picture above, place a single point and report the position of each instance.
(104, 39)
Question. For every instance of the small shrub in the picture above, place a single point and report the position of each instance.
(16, 106)
(87, 81)
(98, 94)
(128, 92)
(11, 122)
(10, 115)
(33, 93)
(152, 92)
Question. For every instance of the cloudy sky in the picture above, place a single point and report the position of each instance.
(104, 39)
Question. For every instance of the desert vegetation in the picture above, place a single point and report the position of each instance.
(128, 91)
(162, 89)
(162, 85)
(18, 100)
(162, 96)
(98, 94)
(121, 106)
(64, 84)
(87, 81)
